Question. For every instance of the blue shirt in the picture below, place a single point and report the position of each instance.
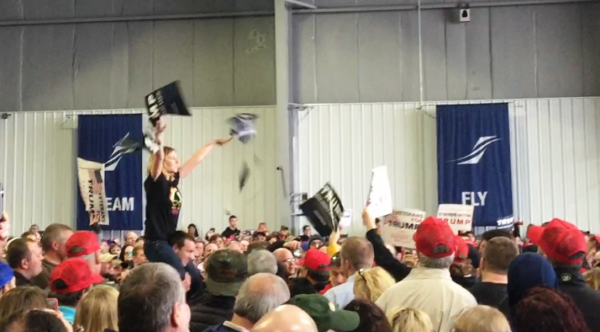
(68, 313)
(342, 294)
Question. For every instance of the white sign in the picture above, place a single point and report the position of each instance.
(93, 192)
(346, 219)
(459, 217)
(399, 227)
(380, 195)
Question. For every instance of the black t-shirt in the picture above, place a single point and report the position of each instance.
(487, 293)
(229, 232)
(163, 203)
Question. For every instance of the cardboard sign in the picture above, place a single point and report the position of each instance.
(166, 100)
(459, 217)
(380, 195)
(93, 192)
(324, 210)
(399, 227)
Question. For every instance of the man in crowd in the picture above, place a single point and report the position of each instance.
(139, 256)
(234, 245)
(84, 244)
(306, 231)
(499, 252)
(53, 245)
(130, 238)
(286, 318)
(69, 281)
(260, 294)
(262, 261)
(25, 258)
(356, 254)
(487, 236)
(284, 256)
(157, 288)
(232, 230)
(226, 271)
(314, 274)
(284, 232)
(184, 246)
(429, 287)
(565, 246)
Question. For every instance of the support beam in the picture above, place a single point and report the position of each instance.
(297, 4)
(283, 119)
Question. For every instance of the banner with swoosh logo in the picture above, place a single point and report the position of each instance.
(474, 168)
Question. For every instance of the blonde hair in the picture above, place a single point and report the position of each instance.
(97, 310)
(592, 278)
(369, 284)
(166, 151)
(410, 260)
(409, 320)
(481, 318)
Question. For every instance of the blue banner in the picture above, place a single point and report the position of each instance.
(96, 137)
(473, 148)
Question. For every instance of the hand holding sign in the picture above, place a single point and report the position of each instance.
(4, 227)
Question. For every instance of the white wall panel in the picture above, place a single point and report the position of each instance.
(37, 167)
(555, 154)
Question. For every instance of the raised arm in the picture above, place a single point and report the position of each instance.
(199, 155)
(159, 156)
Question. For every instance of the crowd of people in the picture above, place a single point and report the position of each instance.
(268, 281)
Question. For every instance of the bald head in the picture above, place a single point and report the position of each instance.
(286, 318)
(235, 246)
(130, 238)
(282, 255)
(260, 294)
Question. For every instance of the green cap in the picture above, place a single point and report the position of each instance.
(324, 314)
(226, 271)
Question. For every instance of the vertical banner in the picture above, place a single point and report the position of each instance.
(110, 181)
(474, 168)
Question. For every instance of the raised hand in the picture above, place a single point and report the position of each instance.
(223, 141)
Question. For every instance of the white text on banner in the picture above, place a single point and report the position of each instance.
(459, 217)
(380, 195)
(399, 227)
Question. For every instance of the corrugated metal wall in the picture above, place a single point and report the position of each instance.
(38, 150)
(555, 156)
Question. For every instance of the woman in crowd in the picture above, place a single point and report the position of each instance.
(369, 284)
(592, 278)
(481, 319)
(409, 320)
(97, 310)
(115, 249)
(193, 231)
(546, 309)
(164, 202)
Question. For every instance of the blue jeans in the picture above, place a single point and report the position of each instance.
(161, 252)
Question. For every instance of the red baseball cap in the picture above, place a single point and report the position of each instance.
(82, 243)
(534, 233)
(560, 240)
(431, 233)
(73, 275)
(316, 260)
(462, 250)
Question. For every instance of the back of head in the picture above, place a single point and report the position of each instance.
(226, 271)
(358, 252)
(285, 318)
(260, 245)
(262, 261)
(260, 294)
(546, 309)
(369, 284)
(97, 310)
(487, 236)
(53, 233)
(436, 244)
(178, 239)
(481, 318)
(33, 321)
(152, 290)
(372, 318)
(498, 254)
(409, 320)
(526, 271)
(22, 298)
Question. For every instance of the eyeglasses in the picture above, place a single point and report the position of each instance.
(290, 260)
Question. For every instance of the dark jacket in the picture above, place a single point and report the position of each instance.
(572, 283)
(385, 259)
(21, 280)
(211, 310)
